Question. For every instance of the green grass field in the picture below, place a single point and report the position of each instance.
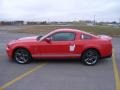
(36, 29)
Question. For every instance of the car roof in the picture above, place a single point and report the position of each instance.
(73, 30)
(68, 30)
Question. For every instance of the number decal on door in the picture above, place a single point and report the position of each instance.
(72, 48)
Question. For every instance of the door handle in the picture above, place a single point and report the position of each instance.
(71, 44)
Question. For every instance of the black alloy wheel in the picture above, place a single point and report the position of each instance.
(90, 57)
(22, 56)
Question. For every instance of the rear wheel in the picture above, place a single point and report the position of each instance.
(90, 57)
(22, 56)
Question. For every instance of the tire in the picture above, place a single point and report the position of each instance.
(90, 57)
(22, 56)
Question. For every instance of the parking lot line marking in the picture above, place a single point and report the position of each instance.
(1, 88)
(22, 75)
(116, 73)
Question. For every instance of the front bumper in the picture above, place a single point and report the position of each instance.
(9, 53)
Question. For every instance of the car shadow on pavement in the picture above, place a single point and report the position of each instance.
(68, 61)
(56, 61)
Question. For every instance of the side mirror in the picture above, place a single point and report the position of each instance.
(48, 40)
(38, 38)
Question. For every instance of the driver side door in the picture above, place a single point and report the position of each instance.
(61, 44)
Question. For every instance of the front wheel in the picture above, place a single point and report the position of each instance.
(22, 56)
(90, 57)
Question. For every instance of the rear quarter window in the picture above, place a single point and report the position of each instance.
(85, 36)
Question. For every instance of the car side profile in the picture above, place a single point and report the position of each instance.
(61, 43)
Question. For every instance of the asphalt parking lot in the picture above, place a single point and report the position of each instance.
(56, 74)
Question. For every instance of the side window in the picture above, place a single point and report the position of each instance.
(84, 36)
(63, 36)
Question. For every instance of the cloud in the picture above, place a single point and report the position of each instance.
(61, 10)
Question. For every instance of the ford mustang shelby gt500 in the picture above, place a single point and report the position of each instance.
(61, 43)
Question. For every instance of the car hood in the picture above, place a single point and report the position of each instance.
(24, 39)
(28, 38)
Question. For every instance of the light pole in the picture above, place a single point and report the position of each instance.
(94, 22)
(119, 20)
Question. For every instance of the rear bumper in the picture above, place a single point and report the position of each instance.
(108, 56)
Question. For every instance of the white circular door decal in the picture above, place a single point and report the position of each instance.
(72, 48)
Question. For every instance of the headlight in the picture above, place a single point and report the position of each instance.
(10, 43)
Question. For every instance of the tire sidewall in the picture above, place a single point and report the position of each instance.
(83, 57)
(29, 55)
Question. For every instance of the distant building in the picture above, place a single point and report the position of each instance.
(31, 23)
(11, 22)
(90, 24)
(37, 23)
(18, 22)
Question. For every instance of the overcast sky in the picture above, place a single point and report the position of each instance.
(60, 10)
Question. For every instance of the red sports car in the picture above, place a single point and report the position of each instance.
(61, 43)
